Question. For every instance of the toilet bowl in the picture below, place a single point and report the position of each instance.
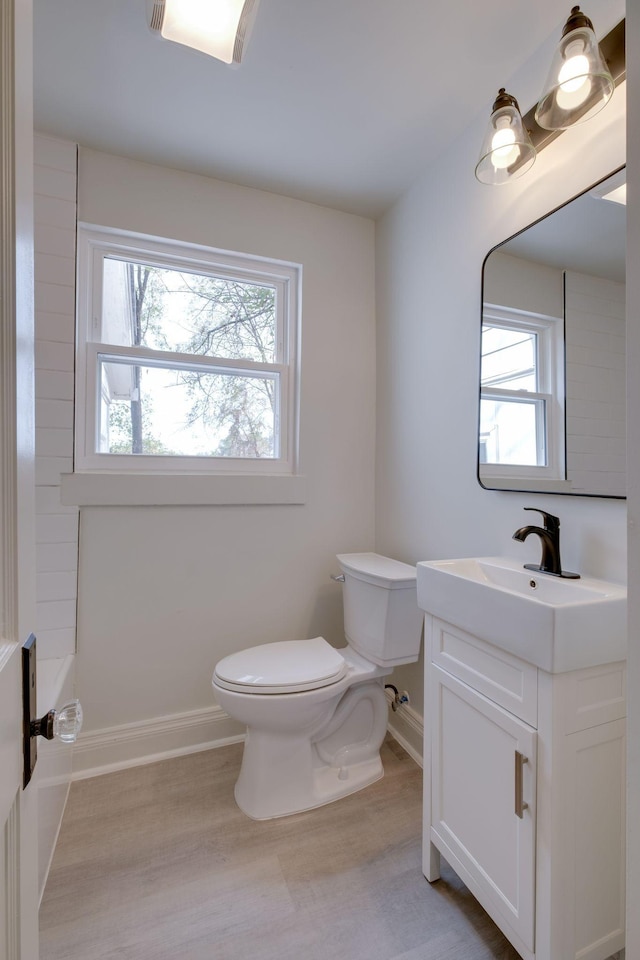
(316, 716)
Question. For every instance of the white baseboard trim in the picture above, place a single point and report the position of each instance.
(147, 741)
(407, 727)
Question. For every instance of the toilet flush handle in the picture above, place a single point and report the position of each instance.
(338, 577)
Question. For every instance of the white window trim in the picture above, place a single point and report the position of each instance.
(541, 403)
(174, 478)
(550, 361)
(149, 490)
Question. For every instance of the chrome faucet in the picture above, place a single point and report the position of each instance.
(550, 540)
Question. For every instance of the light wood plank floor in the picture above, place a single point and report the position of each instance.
(158, 863)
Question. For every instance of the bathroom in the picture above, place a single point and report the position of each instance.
(390, 320)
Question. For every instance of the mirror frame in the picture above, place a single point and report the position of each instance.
(524, 488)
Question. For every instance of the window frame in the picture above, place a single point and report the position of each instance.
(550, 396)
(95, 243)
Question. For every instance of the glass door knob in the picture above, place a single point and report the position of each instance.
(64, 724)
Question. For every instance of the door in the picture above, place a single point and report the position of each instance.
(483, 802)
(18, 863)
(18, 807)
(10, 714)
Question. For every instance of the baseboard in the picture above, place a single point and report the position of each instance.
(407, 727)
(134, 744)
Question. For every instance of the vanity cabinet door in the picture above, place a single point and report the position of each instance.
(483, 802)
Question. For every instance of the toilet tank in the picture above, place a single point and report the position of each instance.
(382, 621)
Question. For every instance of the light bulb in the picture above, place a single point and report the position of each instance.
(573, 77)
(504, 150)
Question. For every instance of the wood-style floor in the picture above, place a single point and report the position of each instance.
(158, 863)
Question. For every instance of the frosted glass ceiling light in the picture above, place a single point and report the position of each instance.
(217, 27)
(579, 84)
(507, 151)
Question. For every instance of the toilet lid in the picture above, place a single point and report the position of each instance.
(289, 666)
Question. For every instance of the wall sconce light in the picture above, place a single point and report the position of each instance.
(507, 151)
(219, 28)
(581, 82)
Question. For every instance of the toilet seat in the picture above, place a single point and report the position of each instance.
(288, 666)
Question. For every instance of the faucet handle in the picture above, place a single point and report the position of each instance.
(551, 523)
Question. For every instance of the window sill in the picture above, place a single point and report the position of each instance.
(143, 490)
(530, 484)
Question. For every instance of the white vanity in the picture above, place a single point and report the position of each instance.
(525, 750)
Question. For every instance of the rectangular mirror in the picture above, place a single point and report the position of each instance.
(552, 367)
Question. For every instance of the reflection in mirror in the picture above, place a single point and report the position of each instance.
(552, 378)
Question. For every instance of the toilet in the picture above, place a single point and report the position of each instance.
(316, 716)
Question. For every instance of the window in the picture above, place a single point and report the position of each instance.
(522, 394)
(187, 358)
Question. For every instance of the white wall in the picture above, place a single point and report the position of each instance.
(55, 275)
(430, 249)
(164, 592)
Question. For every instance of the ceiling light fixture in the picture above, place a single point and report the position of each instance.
(507, 151)
(581, 82)
(219, 28)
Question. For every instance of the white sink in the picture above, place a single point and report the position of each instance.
(555, 624)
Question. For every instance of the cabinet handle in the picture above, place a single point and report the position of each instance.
(520, 805)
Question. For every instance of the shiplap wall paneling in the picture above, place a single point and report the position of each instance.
(57, 526)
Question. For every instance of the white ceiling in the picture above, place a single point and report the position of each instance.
(341, 102)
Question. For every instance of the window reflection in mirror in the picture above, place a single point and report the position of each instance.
(552, 390)
(522, 396)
